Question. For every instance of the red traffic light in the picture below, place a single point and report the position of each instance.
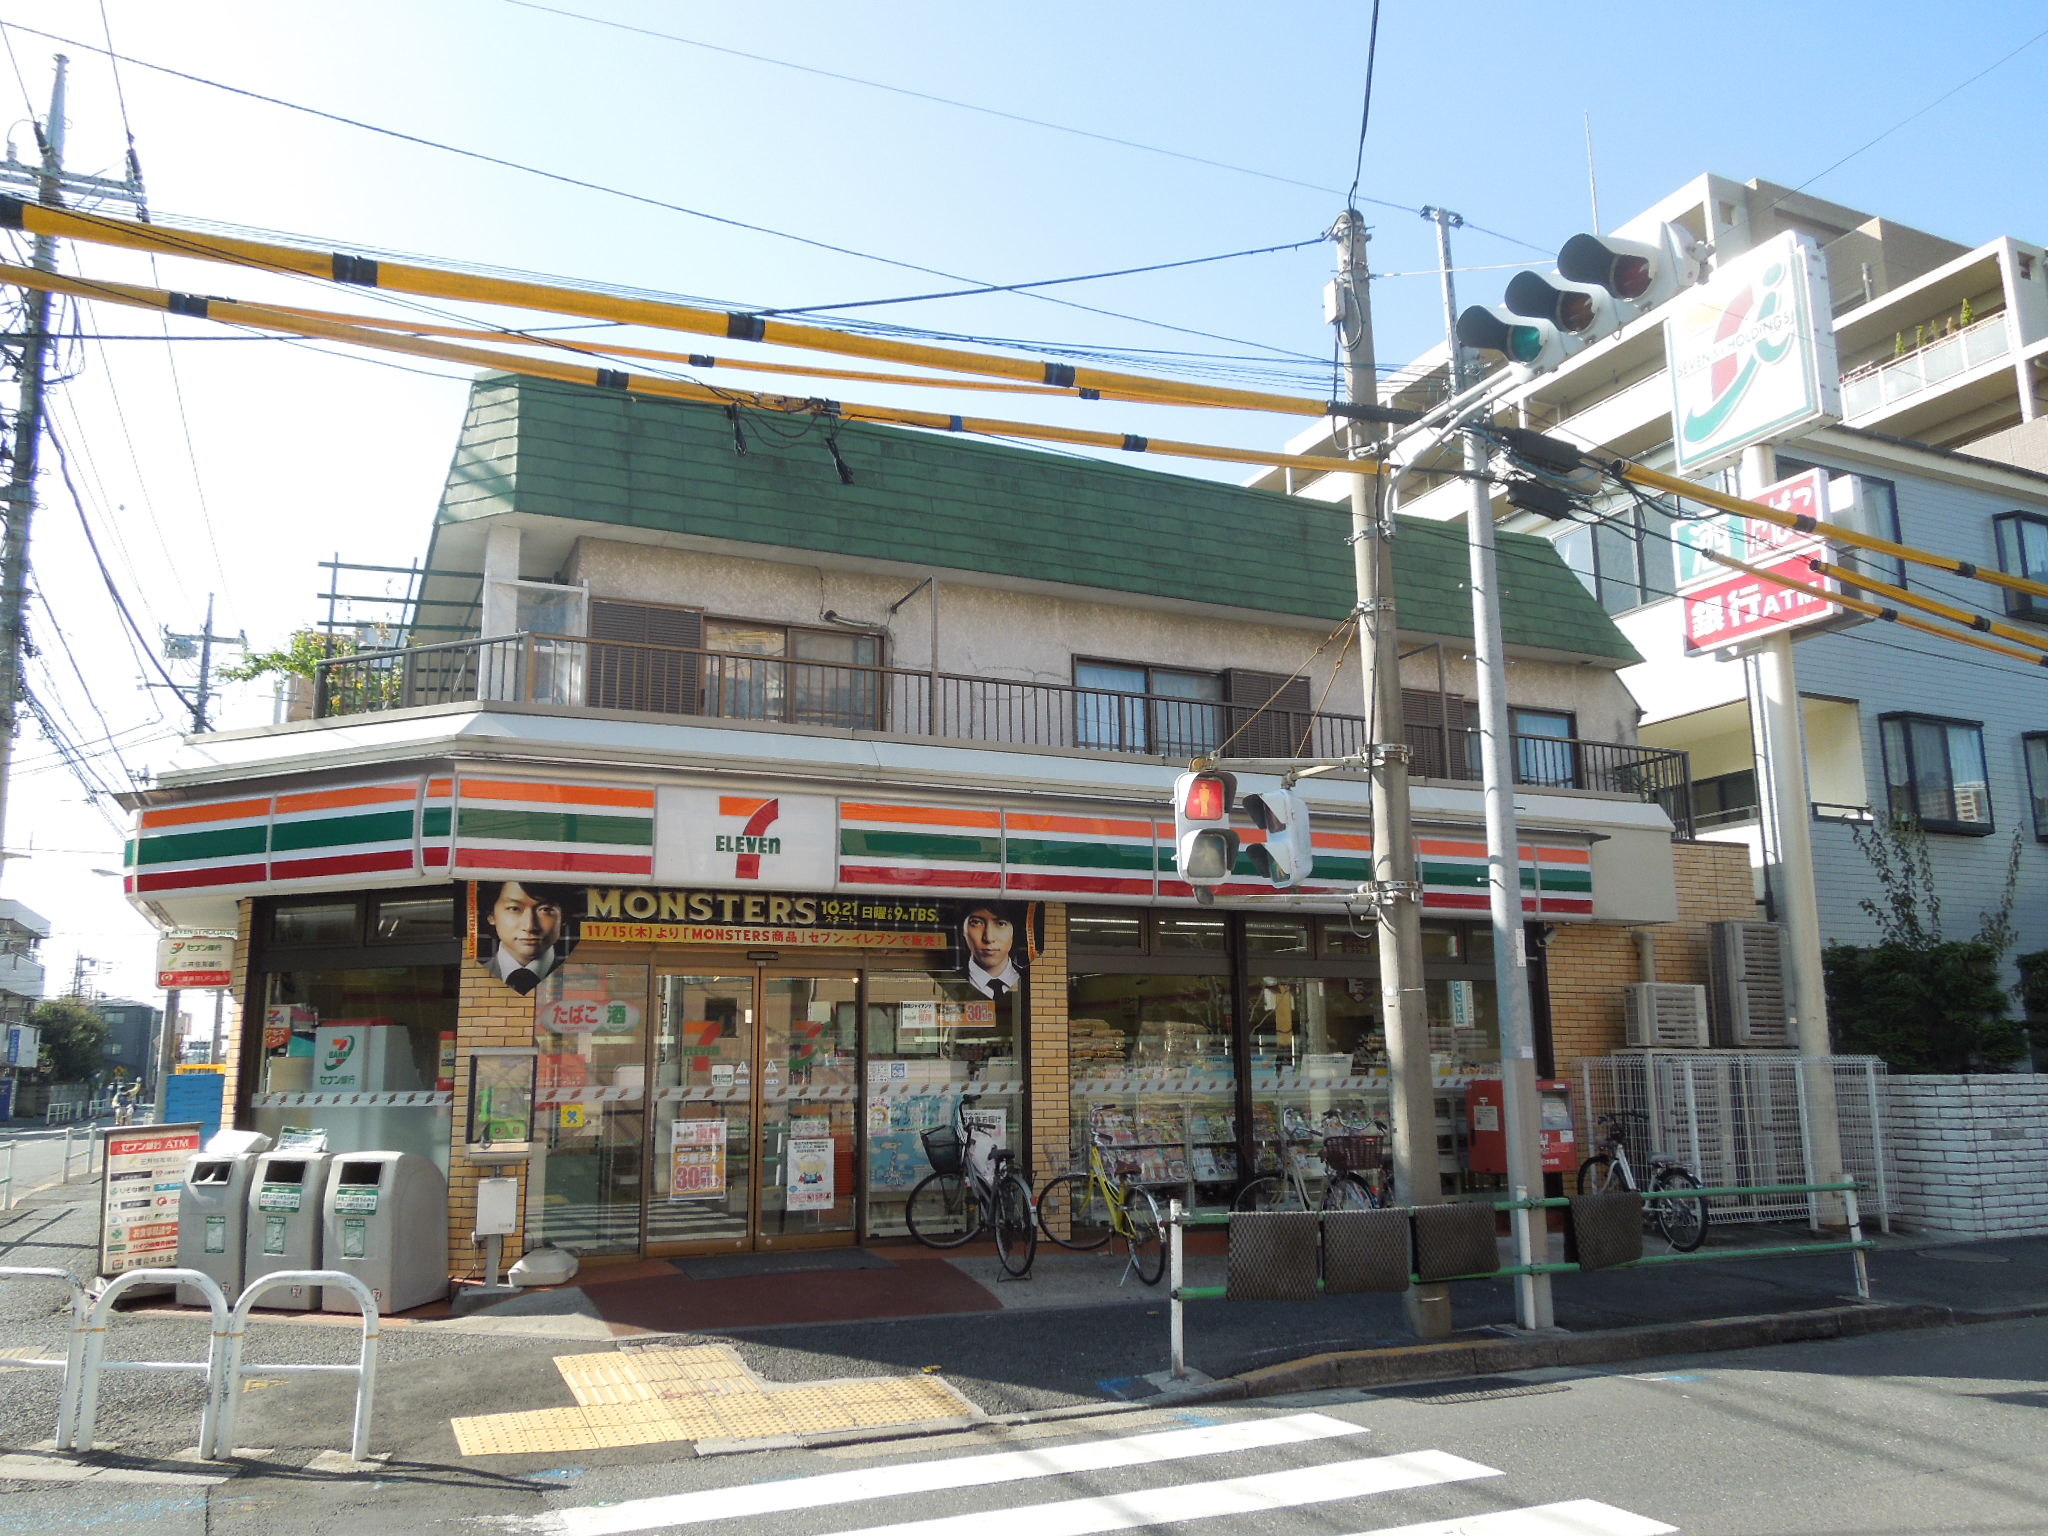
(1206, 797)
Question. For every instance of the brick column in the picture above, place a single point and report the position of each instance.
(1050, 1066)
(239, 1004)
(487, 1013)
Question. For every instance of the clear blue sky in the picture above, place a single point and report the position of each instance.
(259, 459)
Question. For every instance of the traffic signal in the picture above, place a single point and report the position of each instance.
(1533, 346)
(1204, 847)
(1601, 283)
(1638, 275)
(1286, 856)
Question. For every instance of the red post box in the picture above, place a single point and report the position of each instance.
(1486, 1114)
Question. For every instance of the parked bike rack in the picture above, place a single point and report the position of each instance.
(1856, 1246)
(95, 1361)
(233, 1372)
(72, 1365)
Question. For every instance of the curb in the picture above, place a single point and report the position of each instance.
(1455, 1358)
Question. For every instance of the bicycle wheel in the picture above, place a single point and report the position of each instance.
(1269, 1192)
(1348, 1192)
(943, 1212)
(1599, 1175)
(1075, 1202)
(1683, 1222)
(1015, 1230)
(1144, 1237)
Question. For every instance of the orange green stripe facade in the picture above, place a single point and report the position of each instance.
(476, 826)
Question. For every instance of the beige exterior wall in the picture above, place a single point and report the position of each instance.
(987, 631)
(488, 1013)
(1050, 1065)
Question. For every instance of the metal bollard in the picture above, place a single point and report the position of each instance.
(228, 1383)
(1856, 1255)
(1175, 1268)
(95, 1361)
(73, 1363)
(8, 1203)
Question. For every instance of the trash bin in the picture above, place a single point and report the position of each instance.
(385, 1221)
(212, 1214)
(285, 1210)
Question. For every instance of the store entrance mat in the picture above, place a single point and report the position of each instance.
(703, 1392)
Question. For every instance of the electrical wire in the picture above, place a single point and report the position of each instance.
(592, 186)
(1372, 53)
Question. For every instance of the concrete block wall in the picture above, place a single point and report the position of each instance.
(1969, 1154)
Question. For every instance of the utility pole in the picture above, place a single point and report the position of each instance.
(179, 647)
(28, 436)
(1396, 887)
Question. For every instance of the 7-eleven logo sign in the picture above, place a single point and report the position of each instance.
(752, 840)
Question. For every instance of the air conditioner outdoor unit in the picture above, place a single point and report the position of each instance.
(1752, 1000)
(1666, 1016)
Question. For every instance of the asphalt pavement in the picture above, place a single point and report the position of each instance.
(1076, 1336)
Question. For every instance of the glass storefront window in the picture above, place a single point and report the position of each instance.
(413, 919)
(1319, 1064)
(931, 1038)
(1154, 1073)
(1178, 935)
(587, 1173)
(315, 922)
(1276, 935)
(1114, 928)
(1340, 937)
(334, 1035)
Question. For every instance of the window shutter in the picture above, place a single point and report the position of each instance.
(655, 667)
(1278, 731)
(1438, 728)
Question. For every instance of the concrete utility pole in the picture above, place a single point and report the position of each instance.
(1396, 884)
(179, 647)
(28, 436)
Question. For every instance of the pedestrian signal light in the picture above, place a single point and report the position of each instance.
(1286, 856)
(1204, 847)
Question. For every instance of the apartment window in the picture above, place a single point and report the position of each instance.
(1724, 799)
(2023, 551)
(2036, 743)
(826, 677)
(1934, 773)
(1625, 558)
(1872, 507)
(1161, 711)
(1545, 753)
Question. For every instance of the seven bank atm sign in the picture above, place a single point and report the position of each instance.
(1725, 609)
(710, 837)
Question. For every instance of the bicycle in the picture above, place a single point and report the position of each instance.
(1344, 1188)
(1682, 1221)
(1094, 1207)
(958, 1198)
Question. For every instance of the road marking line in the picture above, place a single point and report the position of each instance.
(958, 1472)
(1239, 1496)
(1574, 1517)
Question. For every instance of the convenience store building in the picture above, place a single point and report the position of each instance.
(753, 815)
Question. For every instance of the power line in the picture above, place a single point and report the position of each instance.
(592, 186)
(1372, 52)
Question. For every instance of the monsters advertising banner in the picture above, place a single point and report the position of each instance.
(524, 930)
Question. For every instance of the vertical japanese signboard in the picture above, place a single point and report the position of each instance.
(1726, 609)
(144, 1171)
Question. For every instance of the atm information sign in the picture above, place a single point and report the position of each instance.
(145, 1171)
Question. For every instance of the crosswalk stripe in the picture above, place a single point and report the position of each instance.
(1574, 1517)
(1239, 1496)
(957, 1472)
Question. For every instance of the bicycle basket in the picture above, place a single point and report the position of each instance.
(1352, 1154)
(942, 1149)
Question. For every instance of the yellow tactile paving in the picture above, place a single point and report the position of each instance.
(699, 1392)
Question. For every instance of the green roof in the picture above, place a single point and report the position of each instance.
(928, 499)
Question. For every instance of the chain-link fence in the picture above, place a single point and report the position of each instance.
(1746, 1118)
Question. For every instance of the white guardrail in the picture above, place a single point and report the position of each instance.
(85, 1362)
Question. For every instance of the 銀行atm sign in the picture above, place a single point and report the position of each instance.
(1724, 608)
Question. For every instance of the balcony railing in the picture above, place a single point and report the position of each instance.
(1893, 379)
(575, 673)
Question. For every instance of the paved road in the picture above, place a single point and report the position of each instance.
(1928, 1432)
(39, 1155)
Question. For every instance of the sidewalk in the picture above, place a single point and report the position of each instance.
(1068, 1335)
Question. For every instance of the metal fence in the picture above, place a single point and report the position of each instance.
(576, 673)
(1746, 1118)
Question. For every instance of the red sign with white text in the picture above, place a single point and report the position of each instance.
(1742, 607)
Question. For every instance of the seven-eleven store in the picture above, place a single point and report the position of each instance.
(760, 991)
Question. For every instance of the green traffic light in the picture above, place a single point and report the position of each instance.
(1525, 343)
